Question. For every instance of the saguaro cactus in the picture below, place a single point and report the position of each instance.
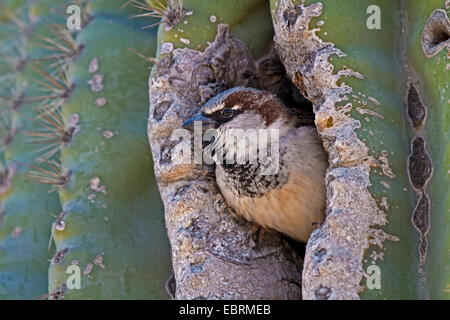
(380, 97)
(76, 174)
(111, 225)
(193, 23)
(26, 207)
(73, 119)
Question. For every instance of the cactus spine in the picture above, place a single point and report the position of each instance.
(26, 207)
(111, 227)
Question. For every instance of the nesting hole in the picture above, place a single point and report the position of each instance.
(436, 34)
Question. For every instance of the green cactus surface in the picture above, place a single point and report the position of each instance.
(26, 207)
(77, 189)
(112, 225)
(193, 23)
(401, 102)
(427, 23)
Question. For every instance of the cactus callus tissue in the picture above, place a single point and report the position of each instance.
(81, 215)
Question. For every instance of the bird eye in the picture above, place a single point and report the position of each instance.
(227, 113)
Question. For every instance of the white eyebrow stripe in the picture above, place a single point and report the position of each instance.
(215, 108)
(237, 107)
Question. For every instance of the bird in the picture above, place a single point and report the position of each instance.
(291, 200)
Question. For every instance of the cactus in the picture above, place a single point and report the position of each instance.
(76, 172)
(26, 207)
(111, 226)
(104, 214)
(193, 23)
(380, 102)
(428, 25)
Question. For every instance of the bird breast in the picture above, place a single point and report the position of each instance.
(292, 201)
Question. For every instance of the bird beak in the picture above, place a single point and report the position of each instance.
(205, 122)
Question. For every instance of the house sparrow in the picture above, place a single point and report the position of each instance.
(292, 200)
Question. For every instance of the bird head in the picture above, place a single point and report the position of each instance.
(242, 108)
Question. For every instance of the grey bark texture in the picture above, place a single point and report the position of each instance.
(213, 254)
(334, 255)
